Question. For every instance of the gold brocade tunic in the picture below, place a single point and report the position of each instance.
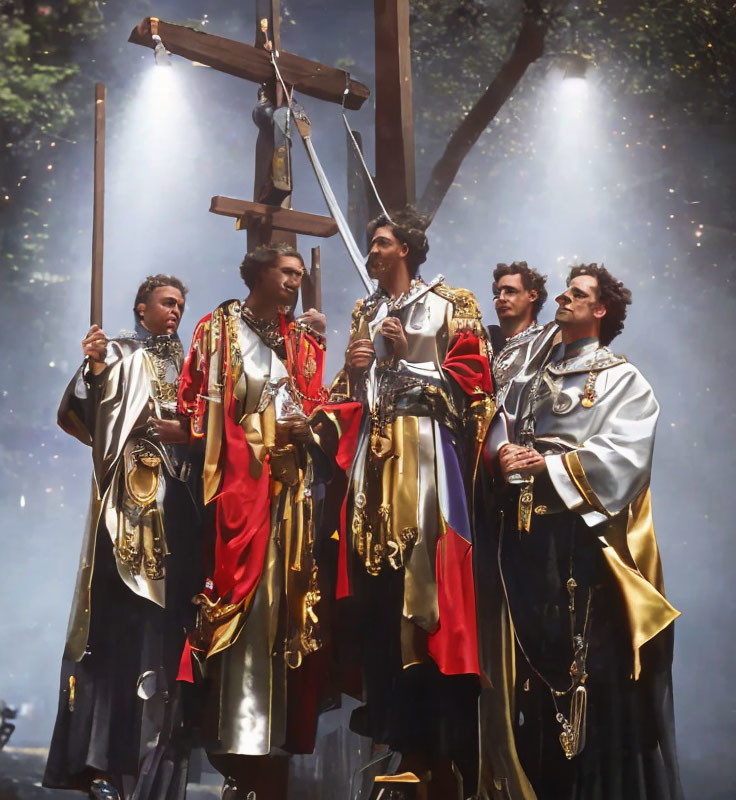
(240, 382)
(400, 490)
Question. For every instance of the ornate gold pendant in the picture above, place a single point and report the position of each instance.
(572, 736)
(526, 502)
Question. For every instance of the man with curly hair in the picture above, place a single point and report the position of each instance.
(591, 705)
(417, 384)
(120, 710)
(252, 376)
(519, 292)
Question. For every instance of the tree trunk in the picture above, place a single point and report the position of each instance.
(528, 48)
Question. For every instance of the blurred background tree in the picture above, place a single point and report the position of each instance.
(673, 59)
(42, 90)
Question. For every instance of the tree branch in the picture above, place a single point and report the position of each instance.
(528, 48)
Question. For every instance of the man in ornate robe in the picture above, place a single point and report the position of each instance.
(571, 448)
(411, 403)
(120, 712)
(519, 292)
(252, 376)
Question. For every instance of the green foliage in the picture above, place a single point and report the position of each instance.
(41, 86)
(37, 86)
(457, 49)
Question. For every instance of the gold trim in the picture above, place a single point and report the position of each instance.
(404, 777)
(578, 477)
(72, 693)
(212, 471)
(633, 557)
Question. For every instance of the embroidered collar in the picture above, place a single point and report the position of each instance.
(583, 355)
(532, 329)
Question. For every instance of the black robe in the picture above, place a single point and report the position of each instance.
(121, 711)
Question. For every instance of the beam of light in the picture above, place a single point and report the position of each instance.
(578, 168)
(572, 133)
(155, 154)
(160, 127)
(573, 97)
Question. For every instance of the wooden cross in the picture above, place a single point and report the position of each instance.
(265, 223)
(394, 124)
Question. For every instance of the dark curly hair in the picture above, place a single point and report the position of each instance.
(408, 226)
(154, 282)
(264, 256)
(612, 293)
(531, 280)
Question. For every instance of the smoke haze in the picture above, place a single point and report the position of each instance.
(176, 139)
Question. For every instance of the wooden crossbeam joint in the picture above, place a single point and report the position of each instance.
(276, 217)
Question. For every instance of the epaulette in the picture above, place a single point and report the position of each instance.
(466, 315)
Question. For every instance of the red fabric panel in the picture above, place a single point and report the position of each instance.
(306, 685)
(454, 645)
(194, 378)
(468, 365)
(305, 362)
(343, 574)
(243, 514)
(186, 673)
(349, 415)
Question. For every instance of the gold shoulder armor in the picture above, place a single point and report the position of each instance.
(466, 314)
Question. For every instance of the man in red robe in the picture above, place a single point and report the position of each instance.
(252, 376)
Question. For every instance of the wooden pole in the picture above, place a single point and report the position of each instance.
(259, 231)
(395, 176)
(98, 215)
(276, 23)
(312, 284)
(315, 277)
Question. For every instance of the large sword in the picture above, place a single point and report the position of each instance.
(305, 131)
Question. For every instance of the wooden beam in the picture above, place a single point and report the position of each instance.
(275, 217)
(276, 23)
(259, 231)
(312, 284)
(253, 64)
(315, 278)
(395, 173)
